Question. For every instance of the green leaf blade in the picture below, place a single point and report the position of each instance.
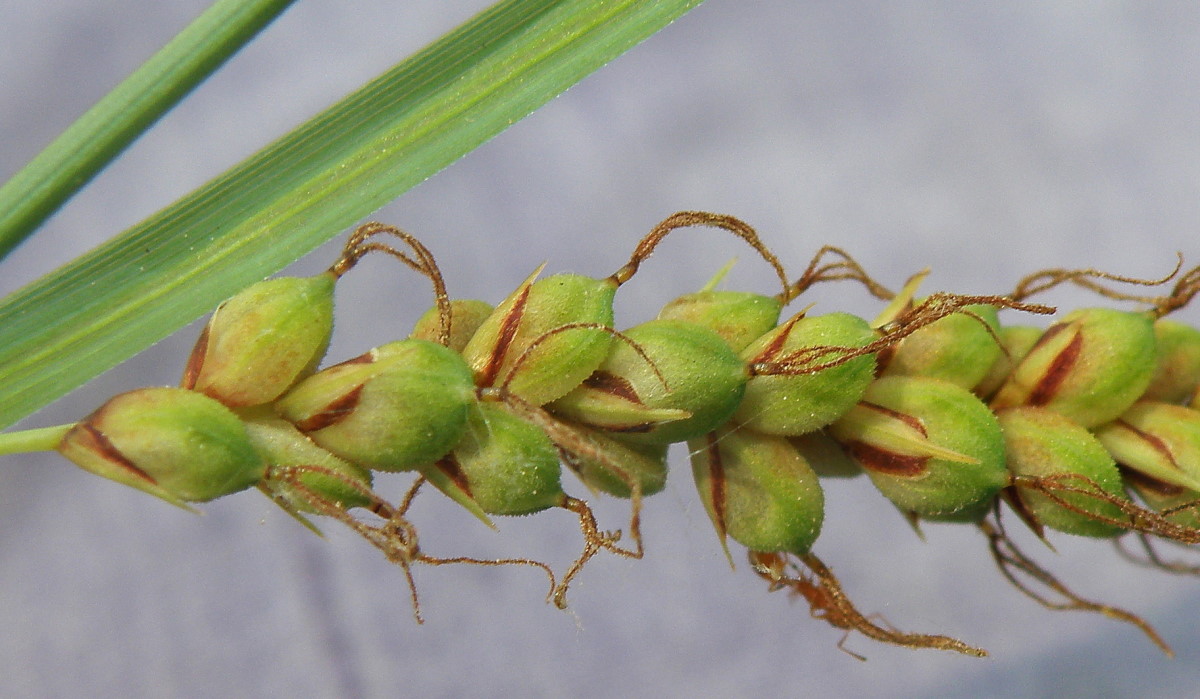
(75, 157)
(300, 191)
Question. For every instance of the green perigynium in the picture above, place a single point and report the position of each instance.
(1177, 375)
(738, 317)
(179, 445)
(549, 366)
(644, 464)
(261, 342)
(1090, 366)
(1179, 505)
(827, 458)
(758, 489)
(789, 402)
(685, 382)
(395, 408)
(960, 348)
(1040, 442)
(503, 464)
(1159, 440)
(333, 480)
(466, 315)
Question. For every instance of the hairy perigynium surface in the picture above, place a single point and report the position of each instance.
(951, 414)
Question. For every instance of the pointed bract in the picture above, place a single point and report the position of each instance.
(930, 447)
(1015, 343)
(685, 369)
(758, 489)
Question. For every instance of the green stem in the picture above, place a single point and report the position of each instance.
(114, 122)
(41, 439)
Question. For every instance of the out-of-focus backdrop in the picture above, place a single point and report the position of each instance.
(983, 142)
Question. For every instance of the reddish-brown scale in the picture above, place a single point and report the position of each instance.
(94, 440)
(1155, 443)
(333, 413)
(881, 461)
(195, 361)
(906, 419)
(717, 483)
(1016, 500)
(1060, 366)
(612, 384)
(450, 466)
(883, 358)
(771, 351)
(1154, 485)
(508, 331)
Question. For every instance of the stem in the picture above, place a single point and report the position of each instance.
(41, 439)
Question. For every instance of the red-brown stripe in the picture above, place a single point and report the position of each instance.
(364, 358)
(337, 410)
(508, 331)
(883, 358)
(195, 362)
(902, 417)
(1155, 443)
(772, 350)
(612, 384)
(453, 470)
(1143, 482)
(632, 429)
(1062, 364)
(880, 461)
(716, 477)
(96, 441)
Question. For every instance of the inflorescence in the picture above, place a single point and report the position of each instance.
(1089, 427)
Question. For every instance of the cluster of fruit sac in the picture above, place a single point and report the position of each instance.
(948, 413)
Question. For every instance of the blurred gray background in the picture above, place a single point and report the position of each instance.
(983, 140)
